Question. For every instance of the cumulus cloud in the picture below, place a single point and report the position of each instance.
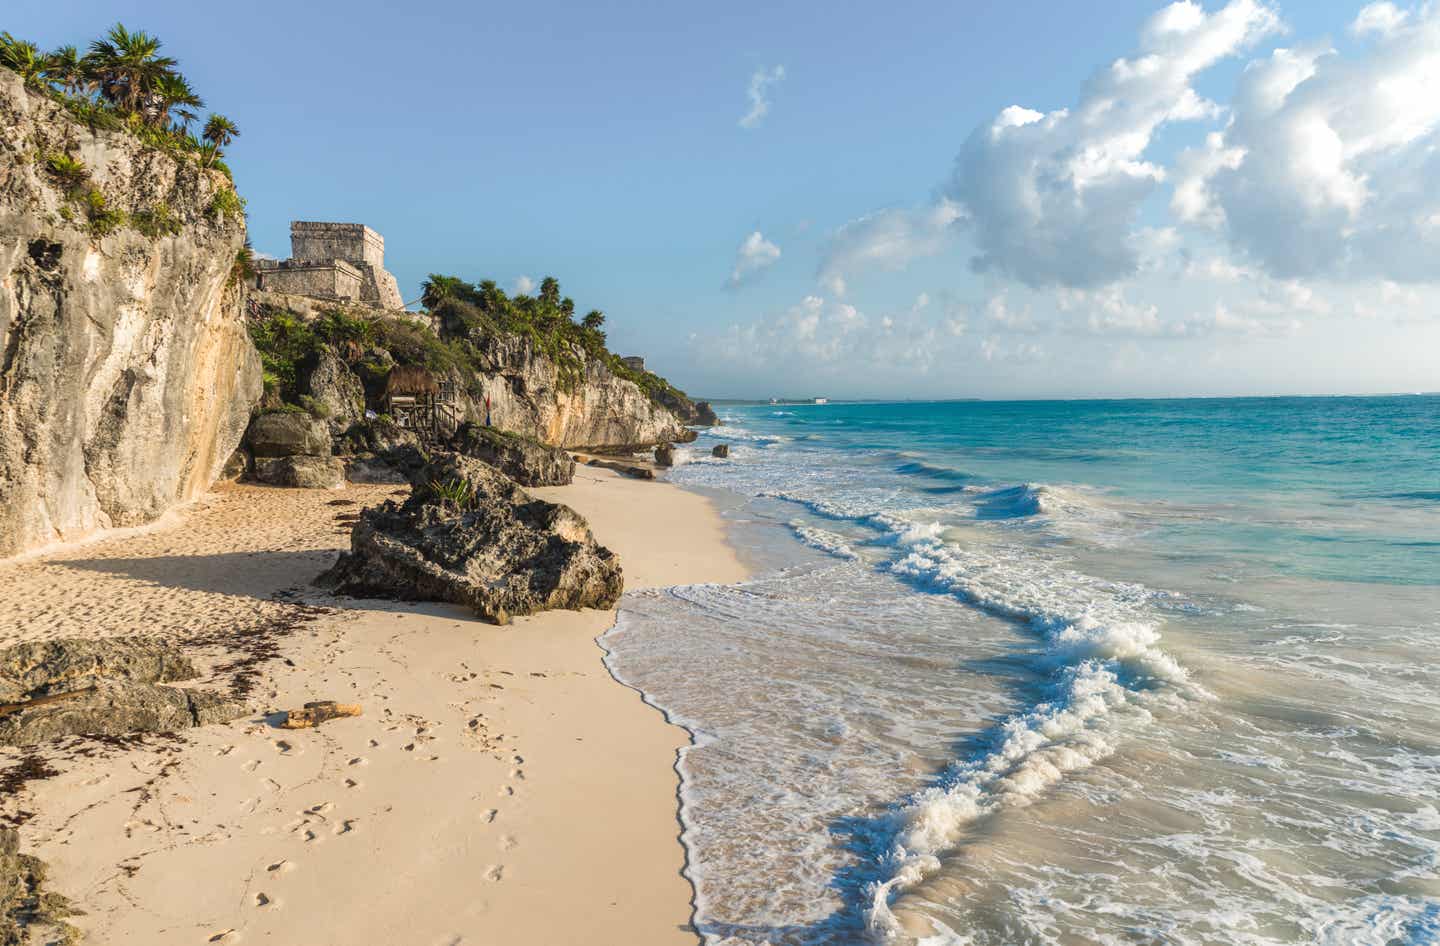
(523, 286)
(886, 239)
(761, 81)
(754, 255)
(1054, 197)
(1328, 165)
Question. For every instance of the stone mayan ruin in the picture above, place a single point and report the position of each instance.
(332, 261)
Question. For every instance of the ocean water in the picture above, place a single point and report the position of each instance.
(1066, 672)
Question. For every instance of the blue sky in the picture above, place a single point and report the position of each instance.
(604, 144)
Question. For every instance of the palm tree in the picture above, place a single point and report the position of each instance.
(437, 289)
(23, 57)
(127, 66)
(65, 68)
(220, 130)
(173, 97)
(593, 319)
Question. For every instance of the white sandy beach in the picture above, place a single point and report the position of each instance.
(500, 786)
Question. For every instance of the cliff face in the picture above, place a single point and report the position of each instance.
(126, 373)
(528, 396)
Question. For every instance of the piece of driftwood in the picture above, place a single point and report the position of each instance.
(318, 712)
(7, 709)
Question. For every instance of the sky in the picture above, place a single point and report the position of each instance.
(910, 200)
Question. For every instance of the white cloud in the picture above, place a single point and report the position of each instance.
(759, 94)
(887, 239)
(754, 255)
(1054, 198)
(1329, 164)
(1380, 18)
(523, 286)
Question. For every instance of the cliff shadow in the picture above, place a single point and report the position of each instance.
(258, 574)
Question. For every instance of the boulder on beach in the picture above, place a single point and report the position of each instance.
(665, 455)
(705, 415)
(526, 461)
(26, 907)
(288, 434)
(303, 472)
(721, 450)
(52, 689)
(469, 535)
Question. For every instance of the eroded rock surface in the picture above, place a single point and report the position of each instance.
(51, 689)
(302, 472)
(26, 907)
(468, 535)
(288, 434)
(126, 371)
(526, 461)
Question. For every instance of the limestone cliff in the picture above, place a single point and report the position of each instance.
(126, 373)
(528, 396)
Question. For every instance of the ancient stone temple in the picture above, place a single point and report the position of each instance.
(332, 261)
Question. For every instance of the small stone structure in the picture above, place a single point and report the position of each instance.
(634, 362)
(332, 261)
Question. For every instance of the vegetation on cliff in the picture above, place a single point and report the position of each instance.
(123, 81)
(547, 320)
(467, 315)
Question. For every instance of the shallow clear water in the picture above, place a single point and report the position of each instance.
(1080, 672)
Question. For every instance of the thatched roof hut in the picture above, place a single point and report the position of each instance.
(410, 381)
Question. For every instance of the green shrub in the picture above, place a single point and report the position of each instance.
(156, 221)
(67, 169)
(103, 218)
(317, 409)
(283, 341)
(456, 492)
(227, 204)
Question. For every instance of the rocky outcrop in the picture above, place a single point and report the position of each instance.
(301, 472)
(721, 450)
(126, 373)
(665, 455)
(528, 395)
(704, 415)
(62, 688)
(29, 913)
(334, 393)
(527, 462)
(288, 434)
(468, 535)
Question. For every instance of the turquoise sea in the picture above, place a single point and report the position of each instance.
(1061, 672)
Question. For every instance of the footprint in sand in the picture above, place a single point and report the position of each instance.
(285, 748)
(226, 936)
(251, 766)
(263, 900)
(280, 868)
(346, 826)
(508, 842)
(489, 815)
(495, 872)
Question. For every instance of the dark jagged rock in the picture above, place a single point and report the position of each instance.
(628, 469)
(377, 435)
(239, 466)
(26, 907)
(526, 461)
(287, 434)
(721, 450)
(301, 471)
(704, 415)
(468, 535)
(369, 468)
(40, 668)
(115, 708)
(51, 689)
(665, 455)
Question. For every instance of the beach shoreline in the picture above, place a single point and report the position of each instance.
(500, 786)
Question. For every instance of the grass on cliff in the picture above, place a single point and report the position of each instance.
(547, 320)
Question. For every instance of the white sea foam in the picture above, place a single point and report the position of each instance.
(824, 540)
(1108, 668)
